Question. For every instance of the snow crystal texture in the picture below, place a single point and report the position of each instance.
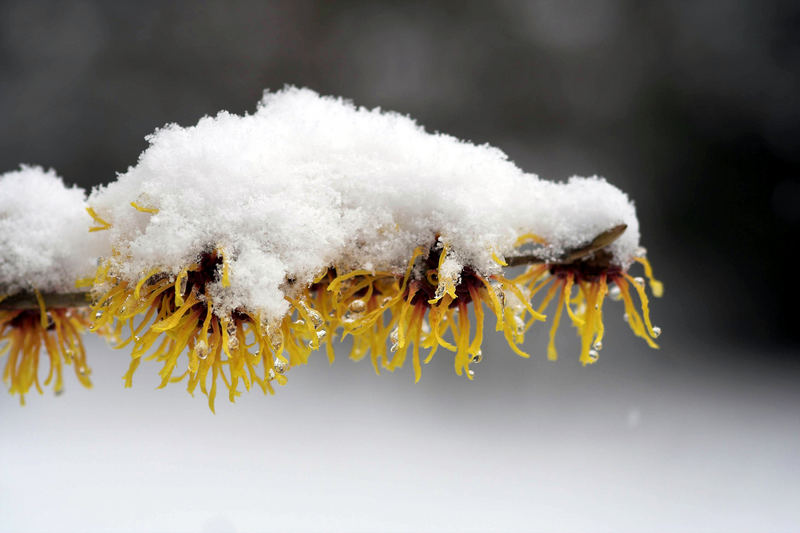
(307, 182)
(44, 233)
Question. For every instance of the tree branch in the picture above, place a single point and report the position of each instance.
(599, 242)
(27, 300)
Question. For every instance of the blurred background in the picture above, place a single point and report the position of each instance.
(690, 107)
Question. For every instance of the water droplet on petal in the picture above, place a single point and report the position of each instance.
(321, 334)
(594, 354)
(182, 286)
(477, 357)
(395, 347)
(300, 322)
(233, 343)
(280, 365)
(315, 317)
(276, 339)
(394, 336)
(615, 293)
(598, 345)
(137, 338)
(358, 306)
(519, 325)
(98, 315)
(82, 370)
(639, 281)
(201, 349)
(656, 331)
(625, 317)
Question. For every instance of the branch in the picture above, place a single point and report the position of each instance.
(599, 242)
(27, 300)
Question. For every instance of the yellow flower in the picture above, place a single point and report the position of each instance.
(166, 316)
(23, 334)
(427, 307)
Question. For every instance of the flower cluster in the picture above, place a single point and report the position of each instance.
(388, 315)
(236, 247)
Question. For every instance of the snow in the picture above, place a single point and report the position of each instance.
(307, 182)
(44, 233)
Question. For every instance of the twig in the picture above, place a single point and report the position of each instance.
(599, 242)
(27, 300)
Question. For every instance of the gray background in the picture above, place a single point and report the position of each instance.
(690, 107)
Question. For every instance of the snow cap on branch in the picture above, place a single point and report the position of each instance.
(45, 242)
(307, 182)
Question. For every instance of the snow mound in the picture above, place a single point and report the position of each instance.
(44, 233)
(307, 182)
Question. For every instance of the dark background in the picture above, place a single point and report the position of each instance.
(690, 107)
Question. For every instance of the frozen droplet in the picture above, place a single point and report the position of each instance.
(639, 281)
(498, 290)
(386, 300)
(615, 293)
(395, 347)
(233, 343)
(280, 365)
(656, 331)
(98, 315)
(82, 370)
(625, 317)
(594, 354)
(519, 325)
(321, 334)
(394, 336)
(425, 326)
(358, 306)
(276, 339)
(300, 322)
(201, 349)
(231, 328)
(137, 338)
(265, 325)
(477, 357)
(271, 374)
(598, 345)
(470, 373)
(182, 285)
(315, 318)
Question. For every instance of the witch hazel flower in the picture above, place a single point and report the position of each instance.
(45, 249)
(242, 244)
